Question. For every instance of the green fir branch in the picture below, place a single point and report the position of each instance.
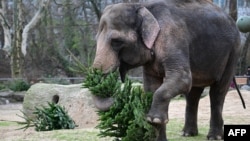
(125, 120)
(47, 118)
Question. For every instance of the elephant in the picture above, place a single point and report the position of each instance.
(183, 47)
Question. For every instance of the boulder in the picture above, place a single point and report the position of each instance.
(76, 100)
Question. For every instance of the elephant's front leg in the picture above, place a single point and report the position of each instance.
(161, 132)
(176, 83)
(151, 84)
(158, 113)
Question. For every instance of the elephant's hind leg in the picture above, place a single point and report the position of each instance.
(192, 98)
(217, 97)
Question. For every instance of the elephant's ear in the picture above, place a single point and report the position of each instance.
(149, 27)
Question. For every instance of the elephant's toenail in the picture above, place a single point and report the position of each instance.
(156, 120)
(218, 137)
(149, 119)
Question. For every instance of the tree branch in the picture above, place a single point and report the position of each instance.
(96, 10)
(34, 21)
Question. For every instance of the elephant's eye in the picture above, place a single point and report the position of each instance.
(117, 44)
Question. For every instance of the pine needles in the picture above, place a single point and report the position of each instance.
(49, 118)
(125, 120)
(100, 85)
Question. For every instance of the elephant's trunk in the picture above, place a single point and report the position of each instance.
(103, 104)
(105, 58)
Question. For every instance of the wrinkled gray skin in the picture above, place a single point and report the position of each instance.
(183, 46)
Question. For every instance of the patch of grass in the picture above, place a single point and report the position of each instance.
(174, 129)
(7, 123)
(65, 135)
(78, 135)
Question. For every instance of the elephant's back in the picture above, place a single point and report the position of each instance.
(213, 36)
(202, 23)
(200, 17)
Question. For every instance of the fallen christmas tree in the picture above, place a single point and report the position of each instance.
(125, 120)
(47, 118)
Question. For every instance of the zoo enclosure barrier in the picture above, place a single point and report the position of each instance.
(240, 80)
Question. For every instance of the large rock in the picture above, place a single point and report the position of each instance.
(76, 100)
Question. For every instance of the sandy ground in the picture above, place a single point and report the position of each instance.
(233, 113)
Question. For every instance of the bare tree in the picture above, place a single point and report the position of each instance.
(16, 55)
(5, 26)
(34, 21)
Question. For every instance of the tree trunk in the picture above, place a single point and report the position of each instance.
(16, 55)
(96, 9)
(233, 9)
(6, 28)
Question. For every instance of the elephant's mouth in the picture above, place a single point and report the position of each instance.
(123, 69)
(104, 104)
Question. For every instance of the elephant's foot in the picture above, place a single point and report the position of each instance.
(215, 135)
(158, 113)
(156, 120)
(157, 117)
(189, 132)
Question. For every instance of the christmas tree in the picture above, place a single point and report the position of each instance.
(125, 120)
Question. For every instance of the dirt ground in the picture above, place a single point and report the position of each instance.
(233, 113)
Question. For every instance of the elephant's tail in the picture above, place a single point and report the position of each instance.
(237, 88)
